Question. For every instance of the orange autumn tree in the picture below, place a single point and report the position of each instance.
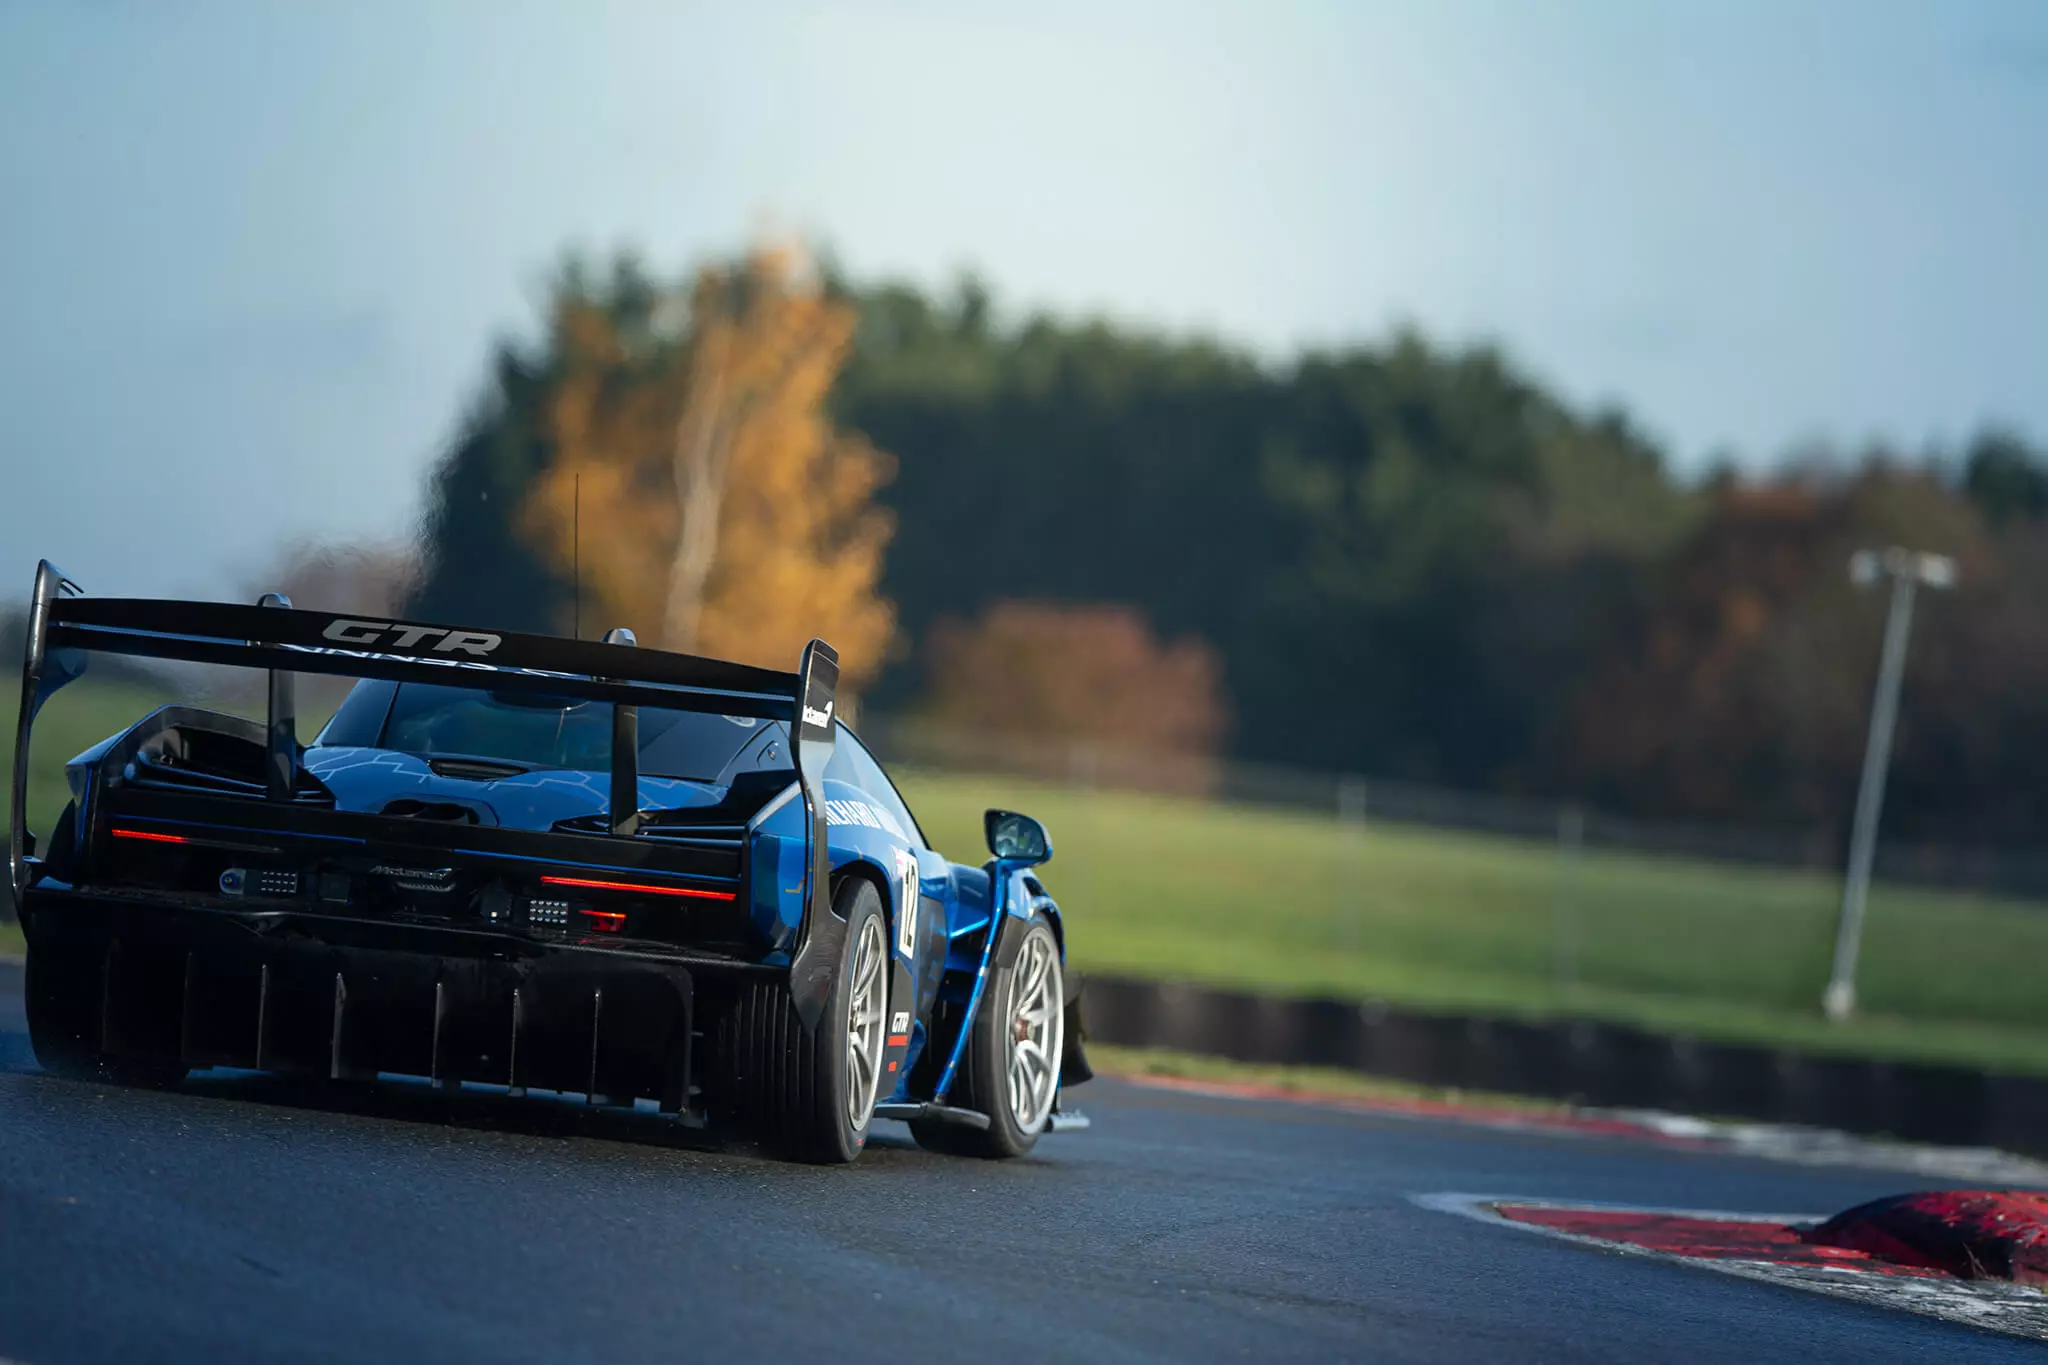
(1052, 687)
(720, 510)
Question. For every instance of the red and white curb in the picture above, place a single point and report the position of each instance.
(1829, 1147)
(1766, 1141)
(1766, 1247)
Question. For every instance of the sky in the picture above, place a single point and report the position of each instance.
(254, 257)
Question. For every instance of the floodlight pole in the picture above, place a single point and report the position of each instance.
(1907, 570)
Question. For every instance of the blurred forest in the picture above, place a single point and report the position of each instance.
(1400, 559)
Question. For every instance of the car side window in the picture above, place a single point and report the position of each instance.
(854, 765)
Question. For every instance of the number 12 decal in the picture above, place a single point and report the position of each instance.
(906, 914)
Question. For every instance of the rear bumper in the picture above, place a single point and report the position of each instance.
(322, 995)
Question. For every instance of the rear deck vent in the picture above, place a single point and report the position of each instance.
(474, 769)
(168, 770)
(447, 812)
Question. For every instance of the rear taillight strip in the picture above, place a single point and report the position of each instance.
(592, 883)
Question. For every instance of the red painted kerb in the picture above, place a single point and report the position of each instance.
(1973, 1234)
(1969, 1234)
(1700, 1238)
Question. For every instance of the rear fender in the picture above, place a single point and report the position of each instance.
(207, 751)
(893, 870)
(813, 731)
(1027, 899)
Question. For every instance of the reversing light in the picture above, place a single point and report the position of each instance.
(548, 914)
(243, 881)
(149, 836)
(606, 921)
(697, 893)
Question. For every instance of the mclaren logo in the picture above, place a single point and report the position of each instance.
(821, 719)
(389, 634)
(418, 878)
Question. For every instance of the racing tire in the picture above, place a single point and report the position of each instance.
(60, 990)
(804, 1093)
(1011, 1069)
(63, 847)
(61, 995)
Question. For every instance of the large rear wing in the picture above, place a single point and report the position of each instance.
(289, 640)
(64, 624)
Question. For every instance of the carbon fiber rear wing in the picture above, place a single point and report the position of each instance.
(64, 624)
(294, 641)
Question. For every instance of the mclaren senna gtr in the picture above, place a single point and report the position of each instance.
(530, 862)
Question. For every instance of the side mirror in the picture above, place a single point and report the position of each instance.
(1017, 838)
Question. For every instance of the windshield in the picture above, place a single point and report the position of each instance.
(561, 732)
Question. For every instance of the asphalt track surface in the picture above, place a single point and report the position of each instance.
(239, 1219)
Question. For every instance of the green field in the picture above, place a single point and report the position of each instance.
(1296, 904)
(1311, 1082)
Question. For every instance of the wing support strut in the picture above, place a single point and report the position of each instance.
(43, 671)
(625, 793)
(281, 727)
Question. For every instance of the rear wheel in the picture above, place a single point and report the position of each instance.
(63, 1023)
(61, 989)
(64, 990)
(62, 850)
(61, 994)
(1011, 1069)
(810, 1093)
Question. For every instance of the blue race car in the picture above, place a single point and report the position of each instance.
(531, 862)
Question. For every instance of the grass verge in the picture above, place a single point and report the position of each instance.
(1294, 904)
(1309, 1082)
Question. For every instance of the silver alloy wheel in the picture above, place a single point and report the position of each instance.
(1037, 1031)
(866, 1005)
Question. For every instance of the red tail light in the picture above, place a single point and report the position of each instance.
(642, 888)
(606, 921)
(149, 836)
